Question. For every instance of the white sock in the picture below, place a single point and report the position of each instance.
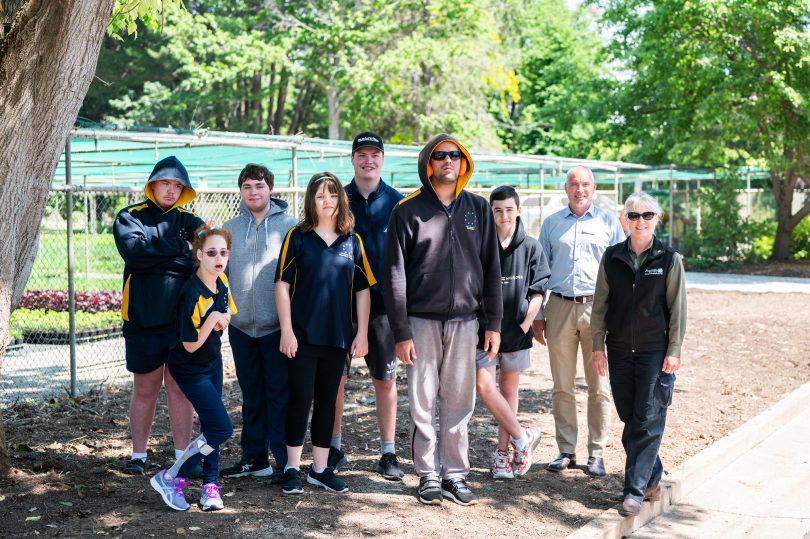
(319, 470)
(336, 440)
(178, 453)
(139, 456)
(288, 467)
(387, 447)
(522, 442)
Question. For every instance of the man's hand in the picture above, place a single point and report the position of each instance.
(599, 361)
(405, 351)
(671, 364)
(524, 327)
(492, 342)
(289, 344)
(540, 331)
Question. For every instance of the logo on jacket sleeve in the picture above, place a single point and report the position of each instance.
(653, 271)
(470, 220)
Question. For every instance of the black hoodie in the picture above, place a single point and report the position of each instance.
(524, 273)
(441, 263)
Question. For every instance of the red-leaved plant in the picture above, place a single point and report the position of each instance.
(57, 300)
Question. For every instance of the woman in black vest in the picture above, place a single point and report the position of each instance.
(639, 315)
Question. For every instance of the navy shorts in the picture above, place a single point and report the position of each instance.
(381, 360)
(147, 351)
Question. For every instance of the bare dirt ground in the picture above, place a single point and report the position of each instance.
(743, 352)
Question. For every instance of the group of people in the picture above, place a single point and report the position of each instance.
(443, 281)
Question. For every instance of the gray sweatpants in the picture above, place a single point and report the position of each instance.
(443, 373)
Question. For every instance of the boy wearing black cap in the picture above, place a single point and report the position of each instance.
(153, 237)
(371, 201)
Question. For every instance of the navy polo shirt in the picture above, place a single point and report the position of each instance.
(196, 303)
(371, 217)
(323, 280)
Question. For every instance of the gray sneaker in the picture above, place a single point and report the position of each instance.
(171, 490)
(457, 490)
(210, 500)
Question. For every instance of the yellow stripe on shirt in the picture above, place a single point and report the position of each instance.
(282, 261)
(366, 268)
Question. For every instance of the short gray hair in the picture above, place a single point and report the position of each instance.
(579, 168)
(644, 200)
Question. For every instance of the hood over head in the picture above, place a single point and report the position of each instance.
(426, 170)
(170, 168)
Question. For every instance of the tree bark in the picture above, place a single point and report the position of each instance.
(283, 84)
(47, 60)
(271, 99)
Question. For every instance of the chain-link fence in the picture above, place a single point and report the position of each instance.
(47, 358)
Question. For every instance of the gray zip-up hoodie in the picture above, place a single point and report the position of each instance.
(252, 266)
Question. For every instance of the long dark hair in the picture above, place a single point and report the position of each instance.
(344, 220)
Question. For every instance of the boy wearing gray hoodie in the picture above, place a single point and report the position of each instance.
(254, 332)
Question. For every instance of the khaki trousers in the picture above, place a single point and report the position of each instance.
(442, 380)
(568, 326)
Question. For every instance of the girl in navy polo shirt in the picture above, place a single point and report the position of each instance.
(322, 271)
(204, 311)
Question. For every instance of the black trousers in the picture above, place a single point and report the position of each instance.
(314, 378)
(642, 393)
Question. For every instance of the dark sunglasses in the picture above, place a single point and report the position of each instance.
(635, 216)
(455, 155)
(212, 253)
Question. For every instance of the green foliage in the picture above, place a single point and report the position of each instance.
(42, 321)
(800, 246)
(718, 83)
(127, 14)
(761, 236)
(721, 242)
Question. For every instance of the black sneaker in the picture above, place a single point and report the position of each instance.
(337, 459)
(327, 480)
(388, 467)
(458, 491)
(135, 467)
(246, 467)
(292, 482)
(430, 491)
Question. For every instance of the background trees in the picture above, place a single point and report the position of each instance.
(714, 84)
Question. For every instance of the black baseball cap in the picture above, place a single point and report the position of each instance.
(367, 138)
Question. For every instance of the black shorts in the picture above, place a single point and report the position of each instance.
(381, 360)
(147, 351)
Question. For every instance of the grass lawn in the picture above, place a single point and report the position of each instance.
(97, 264)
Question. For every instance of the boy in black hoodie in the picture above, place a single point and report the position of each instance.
(524, 274)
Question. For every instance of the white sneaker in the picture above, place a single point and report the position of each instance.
(210, 500)
(170, 489)
(501, 465)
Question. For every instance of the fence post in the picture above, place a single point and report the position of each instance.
(671, 203)
(542, 193)
(294, 179)
(70, 269)
(748, 190)
(86, 230)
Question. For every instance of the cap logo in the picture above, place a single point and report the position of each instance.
(368, 139)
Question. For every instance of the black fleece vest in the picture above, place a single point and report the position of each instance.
(638, 315)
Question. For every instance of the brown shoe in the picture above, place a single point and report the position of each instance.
(562, 462)
(630, 507)
(653, 493)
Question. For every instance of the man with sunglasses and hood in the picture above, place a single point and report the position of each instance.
(441, 264)
(154, 239)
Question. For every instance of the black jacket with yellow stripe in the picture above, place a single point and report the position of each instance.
(157, 258)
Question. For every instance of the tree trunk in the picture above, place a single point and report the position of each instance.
(257, 101)
(783, 186)
(283, 84)
(270, 99)
(333, 103)
(47, 60)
